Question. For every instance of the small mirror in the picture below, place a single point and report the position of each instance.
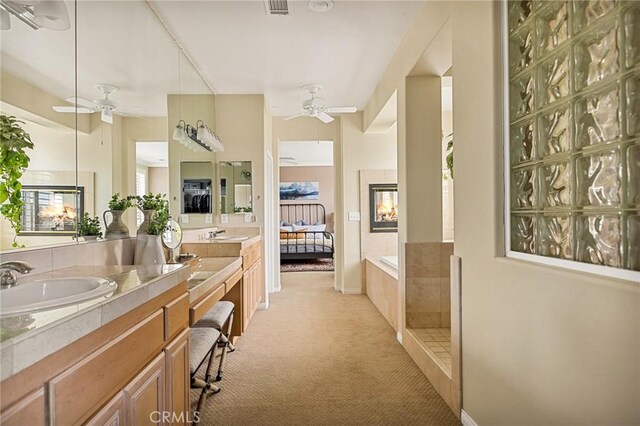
(172, 237)
(197, 178)
(235, 187)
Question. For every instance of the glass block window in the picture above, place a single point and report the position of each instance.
(573, 144)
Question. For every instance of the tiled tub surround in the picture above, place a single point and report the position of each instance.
(26, 339)
(381, 284)
(427, 285)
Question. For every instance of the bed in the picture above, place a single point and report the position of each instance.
(303, 233)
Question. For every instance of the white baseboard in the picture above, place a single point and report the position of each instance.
(466, 419)
(263, 306)
(351, 291)
(399, 337)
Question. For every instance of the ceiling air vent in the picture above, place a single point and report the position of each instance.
(277, 7)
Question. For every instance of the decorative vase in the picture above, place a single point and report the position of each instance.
(144, 226)
(148, 250)
(117, 228)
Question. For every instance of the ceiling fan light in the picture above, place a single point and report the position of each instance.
(52, 14)
(5, 20)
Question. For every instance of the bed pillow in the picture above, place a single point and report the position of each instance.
(284, 228)
(315, 228)
(284, 235)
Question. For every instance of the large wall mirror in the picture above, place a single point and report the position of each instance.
(112, 135)
(235, 187)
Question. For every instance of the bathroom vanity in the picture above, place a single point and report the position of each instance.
(113, 360)
(248, 294)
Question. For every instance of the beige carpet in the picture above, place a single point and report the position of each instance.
(319, 357)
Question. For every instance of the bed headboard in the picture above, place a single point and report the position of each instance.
(310, 213)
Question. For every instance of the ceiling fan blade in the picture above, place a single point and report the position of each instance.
(300, 114)
(324, 117)
(81, 101)
(80, 110)
(107, 116)
(340, 110)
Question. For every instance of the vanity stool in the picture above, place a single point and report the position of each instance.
(216, 318)
(202, 344)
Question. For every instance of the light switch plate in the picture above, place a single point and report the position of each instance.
(354, 216)
(184, 218)
(208, 218)
(224, 218)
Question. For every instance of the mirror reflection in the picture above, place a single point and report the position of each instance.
(235, 187)
(113, 134)
(196, 178)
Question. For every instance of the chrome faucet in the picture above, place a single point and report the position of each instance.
(213, 234)
(8, 277)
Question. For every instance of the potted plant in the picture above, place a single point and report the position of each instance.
(117, 228)
(148, 204)
(148, 249)
(89, 227)
(449, 157)
(13, 162)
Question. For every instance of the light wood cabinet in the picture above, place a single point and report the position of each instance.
(252, 290)
(111, 414)
(178, 380)
(121, 374)
(144, 396)
(28, 411)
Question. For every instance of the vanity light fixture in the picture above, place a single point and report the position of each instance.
(203, 139)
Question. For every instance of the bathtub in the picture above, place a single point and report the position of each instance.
(391, 261)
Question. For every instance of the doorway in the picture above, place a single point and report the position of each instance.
(306, 206)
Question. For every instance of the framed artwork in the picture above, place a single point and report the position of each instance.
(299, 191)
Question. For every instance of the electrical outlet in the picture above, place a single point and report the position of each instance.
(247, 217)
(354, 216)
(224, 218)
(208, 218)
(184, 218)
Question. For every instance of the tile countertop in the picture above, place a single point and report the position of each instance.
(27, 338)
(251, 239)
(211, 272)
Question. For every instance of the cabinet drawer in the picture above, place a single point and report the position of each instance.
(200, 308)
(176, 316)
(78, 392)
(233, 280)
(252, 255)
(28, 411)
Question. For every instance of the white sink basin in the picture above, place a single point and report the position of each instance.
(229, 238)
(52, 293)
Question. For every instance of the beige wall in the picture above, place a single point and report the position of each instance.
(324, 175)
(240, 125)
(158, 180)
(360, 152)
(541, 345)
(189, 108)
(375, 244)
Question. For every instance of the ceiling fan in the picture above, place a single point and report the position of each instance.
(314, 107)
(83, 106)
